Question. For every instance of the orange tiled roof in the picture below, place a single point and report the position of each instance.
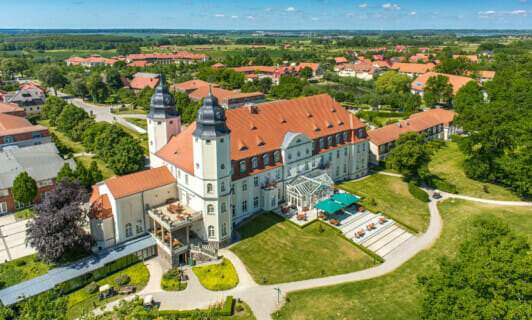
(313, 66)
(173, 55)
(218, 65)
(221, 94)
(9, 108)
(419, 68)
(471, 57)
(486, 74)
(10, 124)
(417, 122)
(340, 60)
(100, 205)
(139, 63)
(457, 81)
(190, 85)
(269, 125)
(140, 83)
(140, 181)
(381, 64)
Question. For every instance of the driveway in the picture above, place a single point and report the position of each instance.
(13, 236)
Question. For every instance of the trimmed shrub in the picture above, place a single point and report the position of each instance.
(122, 279)
(239, 308)
(417, 192)
(445, 186)
(92, 287)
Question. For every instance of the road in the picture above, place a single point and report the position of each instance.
(104, 113)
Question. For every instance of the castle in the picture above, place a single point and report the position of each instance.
(225, 167)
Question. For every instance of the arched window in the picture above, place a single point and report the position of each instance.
(254, 163)
(222, 187)
(266, 160)
(360, 133)
(140, 228)
(211, 231)
(8, 139)
(337, 138)
(223, 207)
(129, 230)
(224, 229)
(209, 187)
(329, 140)
(276, 156)
(36, 135)
(242, 166)
(210, 209)
(321, 143)
(345, 136)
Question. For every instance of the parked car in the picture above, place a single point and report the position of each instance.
(106, 291)
(436, 194)
(126, 289)
(148, 302)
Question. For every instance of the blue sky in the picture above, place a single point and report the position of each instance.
(274, 14)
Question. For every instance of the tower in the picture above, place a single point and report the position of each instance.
(163, 120)
(212, 167)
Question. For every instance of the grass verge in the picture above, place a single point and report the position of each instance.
(25, 213)
(22, 269)
(216, 277)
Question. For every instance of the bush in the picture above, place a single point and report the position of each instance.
(417, 192)
(445, 186)
(20, 263)
(122, 279)
(92, 287)
(239, 308)
(173, 273)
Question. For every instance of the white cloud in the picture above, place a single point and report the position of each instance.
(234, 17)
(413, 13)
(219, 15)
(364, 5)
(250, 17)
(290, 9)
(268, 9)
(349, 14)
(518, 12)
(315, 19)
(390, 6)
(487, 13)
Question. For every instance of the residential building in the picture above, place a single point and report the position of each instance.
(412, 69)
(12, 109)
(142, 80)
(471, 57)
(457, 82)
(191, 85)
(218, 66)
(93, 60)
(435, 123)
(340, 60)
(361, 71)
(316, 68)
(18, 132)
(41, 162)
(176, 57)
(420, 57)
(30, 99)
(484, 76)
(226, 166)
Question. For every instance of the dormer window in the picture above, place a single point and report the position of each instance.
(261, 144)
(254, 163)
(276, 156)
(330, 126)
(322, 142)
(360, 133)
(337, 138)
(266, 160)
(341, 123)
(329, 141)
(242, 166)
(244, 148)
(345, 136)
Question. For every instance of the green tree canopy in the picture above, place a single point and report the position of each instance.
(96, 88)
(393, 82)
(24, 188)
(410, 155)
(459, 66)
(65, 172)
(69, 118)
(128, 157)
(468, 96)
(488, 279)
(113, 80)
(51, 76)
(306, 73)
(437, 90)
(52, 109)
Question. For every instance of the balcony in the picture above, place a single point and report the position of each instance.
(174, 216)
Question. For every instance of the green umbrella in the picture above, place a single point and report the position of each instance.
(345, 198)
(329, 206)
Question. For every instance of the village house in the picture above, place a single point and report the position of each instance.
(12, 109)
(361, 71)
(472, 57)
(41, 162)
(225, 167)
(457, 82)
(31, 99)
(142, 80)
(483, 76)
(340, 61)
(18, 132)
(176, 57)
(435, 123)
(412, 69)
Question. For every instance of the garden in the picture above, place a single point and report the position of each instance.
(217, 277)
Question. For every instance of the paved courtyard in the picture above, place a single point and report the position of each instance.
(13, 235)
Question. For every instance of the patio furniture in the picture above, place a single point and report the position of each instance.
(383, 220)
(285, 209)
(175, 243)
(335, 222)
(301, 217)
(360, 233)
(305, 209)
(322, 216)
(370, 226)
(167, 236)
(159, 231)
(170, 200)
(361, 209)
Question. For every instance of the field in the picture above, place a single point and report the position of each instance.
(220, 276)
(397, 295)
(447, 164)
(390, 195)
(274, 250)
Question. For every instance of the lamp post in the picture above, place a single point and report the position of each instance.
(278, 294)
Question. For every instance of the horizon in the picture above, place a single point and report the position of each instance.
(227, 15)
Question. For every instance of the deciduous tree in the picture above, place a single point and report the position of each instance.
(24, 188)
(51, 76)
(410, 155)
(437, 90)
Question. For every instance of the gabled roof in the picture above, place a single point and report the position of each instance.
(140, 83)
(486, 74)
(471, 57)
(140, 181)
(10, 108)
(456, 81)
(417, 122)
(221, 94)
(418, 68)
(340, 60)
(191, 84)
(314, 116)
(313, 66)
(11, 124)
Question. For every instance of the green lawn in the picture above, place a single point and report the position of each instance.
(241, 312)
(171, 281)
(391, 196)
(274, 249)
(76, 147)
(104, 168)
(138, 122)
(81, 301)
(397, 295)
(447, 163)
(22, 269)
(221, 276)
(25, 213)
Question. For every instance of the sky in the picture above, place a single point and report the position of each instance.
(264, 15)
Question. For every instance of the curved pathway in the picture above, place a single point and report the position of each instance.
(497, 202)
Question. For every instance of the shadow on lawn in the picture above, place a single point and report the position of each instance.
(259, 224)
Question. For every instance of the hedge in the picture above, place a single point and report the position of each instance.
(417, 192)
(226, 311)
(441, 185)
(381, 114)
